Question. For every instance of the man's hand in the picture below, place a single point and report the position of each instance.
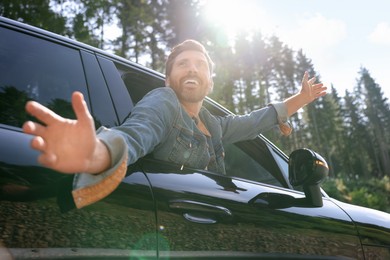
(66, 145)
(309, 92)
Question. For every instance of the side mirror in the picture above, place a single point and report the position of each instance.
(308, 169)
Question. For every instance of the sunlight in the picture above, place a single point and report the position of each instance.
(235, 16)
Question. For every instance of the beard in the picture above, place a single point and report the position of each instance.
(191, 93)
(190, 96)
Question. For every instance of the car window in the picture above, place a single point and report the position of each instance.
(139, 83)
(240, 164)
(281, 161)
(36, 69)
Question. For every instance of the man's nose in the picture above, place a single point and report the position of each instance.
(192, 67)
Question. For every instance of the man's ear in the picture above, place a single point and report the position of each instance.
(167, 82)
(211, 86)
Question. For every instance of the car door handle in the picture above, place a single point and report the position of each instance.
(199, 212)
(277, 201)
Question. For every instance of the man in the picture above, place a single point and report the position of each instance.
(169, 123)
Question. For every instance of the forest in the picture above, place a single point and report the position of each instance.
(350, 130)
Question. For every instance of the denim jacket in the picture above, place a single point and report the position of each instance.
(159, 126)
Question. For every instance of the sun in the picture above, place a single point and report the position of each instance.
(235, 16)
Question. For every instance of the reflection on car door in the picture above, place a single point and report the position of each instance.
(201, 214)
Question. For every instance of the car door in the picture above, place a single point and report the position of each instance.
(47, 69)
(205, 215)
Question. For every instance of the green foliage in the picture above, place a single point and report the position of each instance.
(37, 13)
(374, 193)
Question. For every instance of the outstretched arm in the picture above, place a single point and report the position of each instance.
(66, 145)
(309, 92)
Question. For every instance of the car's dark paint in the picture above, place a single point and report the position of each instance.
(162, 210)
(219, 211)
(12, 138)
(125, 221)
(372, 225)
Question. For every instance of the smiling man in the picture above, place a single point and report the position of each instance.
(169, 123)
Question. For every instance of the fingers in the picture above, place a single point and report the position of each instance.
(47, 159)
(321, 90)
(41, 112)
(80, 107)
(306, 79)
(313, 90)
(38, 143)
(312, 80)
(33, 128)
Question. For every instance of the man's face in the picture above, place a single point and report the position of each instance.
(190, 77)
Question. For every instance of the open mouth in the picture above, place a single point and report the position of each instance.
(191, 82)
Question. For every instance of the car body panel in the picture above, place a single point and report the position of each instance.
(373, 226)
(225, 217)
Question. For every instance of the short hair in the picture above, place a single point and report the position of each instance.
(187, 45)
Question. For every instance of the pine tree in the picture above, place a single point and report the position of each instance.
(131, 15)
(245, 85)
(303, 132)
(377, 113)
(330, 126)
(355, 138)
(282, 84)
(336, 134)
(182, 19)
(37, 13)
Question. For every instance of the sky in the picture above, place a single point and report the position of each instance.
(339, 36)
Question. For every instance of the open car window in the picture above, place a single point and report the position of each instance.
(239, 164)
(252, 159)
(139, 84)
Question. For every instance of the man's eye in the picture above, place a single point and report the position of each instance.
(201, 64)
(182, 63)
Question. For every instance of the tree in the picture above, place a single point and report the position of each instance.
(37, 13)
(377, 113)
(91, 19)
(246, 81)
(304, 132)
(131, 19)
(335, 134)
(355, 154)
(224, 79)
(157, 34)
(182, 21)
(330, 130)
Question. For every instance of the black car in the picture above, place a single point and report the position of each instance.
(267, 206)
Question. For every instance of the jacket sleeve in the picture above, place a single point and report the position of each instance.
(246, 127)
(285, 126)
(90, 188)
